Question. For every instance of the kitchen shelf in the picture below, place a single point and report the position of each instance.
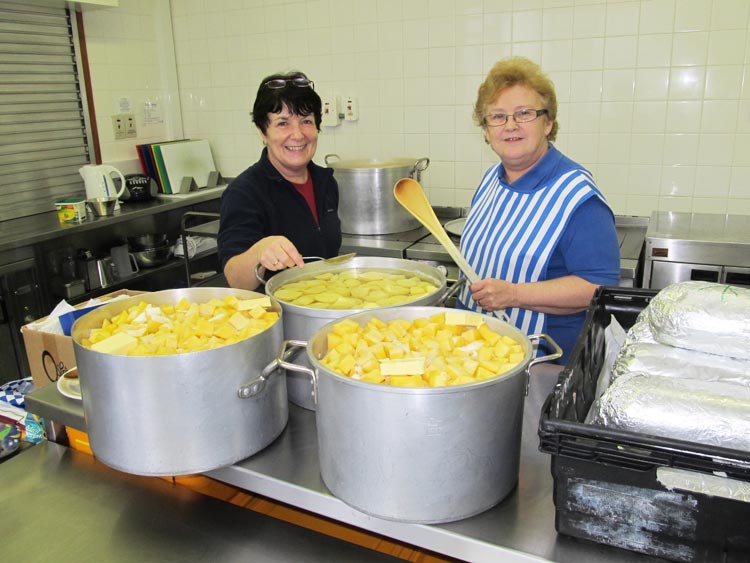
(128, 283)
(208, 227)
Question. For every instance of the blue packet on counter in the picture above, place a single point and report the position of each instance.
(67, 319)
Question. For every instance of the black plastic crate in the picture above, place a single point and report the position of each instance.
(609, 484)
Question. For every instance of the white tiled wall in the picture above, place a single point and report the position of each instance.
(654, 94)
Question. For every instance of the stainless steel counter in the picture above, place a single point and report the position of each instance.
(61, 505)
(697, 246)
(519, 529)
(27, 231)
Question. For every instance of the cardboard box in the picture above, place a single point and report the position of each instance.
(51, 355)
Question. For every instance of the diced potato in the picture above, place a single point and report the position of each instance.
(515, 357)
(119, 344)
(425, 351)
(259, 302)
(438, 379)
(334, 339)
(346, 364)
(182, 327)
(406, 381)
(206, 328)
(256, 312)
(462, 380)
(206, 309)
(345, 348)
(488, 334)
(373, 377)
(405, 366)
(226, 331)
(345, 326)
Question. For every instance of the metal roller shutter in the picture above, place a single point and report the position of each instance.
(43, 139)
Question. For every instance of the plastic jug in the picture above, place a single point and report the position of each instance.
(99, 182)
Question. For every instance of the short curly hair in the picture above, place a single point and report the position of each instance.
(300, 101)
(517, 71)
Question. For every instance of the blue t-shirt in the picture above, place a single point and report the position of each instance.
(551, 222)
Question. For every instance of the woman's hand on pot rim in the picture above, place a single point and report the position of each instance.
(278, 253)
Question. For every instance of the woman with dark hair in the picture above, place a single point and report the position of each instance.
(284, 206)
(539, 233)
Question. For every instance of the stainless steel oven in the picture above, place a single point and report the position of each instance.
(697, 246)
(21, 302)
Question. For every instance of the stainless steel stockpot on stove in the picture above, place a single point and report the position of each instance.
(182, 413)
(416, 454)
(366, 202)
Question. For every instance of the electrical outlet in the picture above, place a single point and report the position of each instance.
(130, 130)
(119, 127)
(330, 112)
(351, 109)
(124, 126)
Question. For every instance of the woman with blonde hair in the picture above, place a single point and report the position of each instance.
(540, 234)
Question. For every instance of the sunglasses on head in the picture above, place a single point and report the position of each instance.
(299, 82)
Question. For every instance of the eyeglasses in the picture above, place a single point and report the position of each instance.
(520, 116)
(299, 82)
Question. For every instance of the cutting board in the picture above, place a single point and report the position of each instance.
(190, 195)
(190, 158)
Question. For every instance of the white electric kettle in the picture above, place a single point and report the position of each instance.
(99, 182)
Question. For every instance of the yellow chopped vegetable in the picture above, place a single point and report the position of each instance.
(424, 352)
(358, 289)
(151, 330)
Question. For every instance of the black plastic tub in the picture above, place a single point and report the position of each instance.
(643, 493)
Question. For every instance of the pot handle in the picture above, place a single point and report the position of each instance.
(535, 338)
(332, 155)
(553, 356)
(257, 385)
(450, 292)
(263, 282)
(299, 344)
(258, 276)
(419, 167)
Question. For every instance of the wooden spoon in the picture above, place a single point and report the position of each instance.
(410, 194)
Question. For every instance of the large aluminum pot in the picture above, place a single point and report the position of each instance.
(366, 202)
(300, 323)
(183, 413)
(422, 455)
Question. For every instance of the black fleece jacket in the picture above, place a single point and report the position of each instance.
(260, 203)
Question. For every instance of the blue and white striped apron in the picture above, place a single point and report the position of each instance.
(510, 234)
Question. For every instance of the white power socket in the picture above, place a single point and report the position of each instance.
(351, 108)
(330, 112)
(130, 130)
(123, 125)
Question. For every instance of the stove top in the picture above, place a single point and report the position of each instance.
(390, 246)
(419, 244)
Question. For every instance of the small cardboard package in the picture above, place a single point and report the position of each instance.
(50, 355)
